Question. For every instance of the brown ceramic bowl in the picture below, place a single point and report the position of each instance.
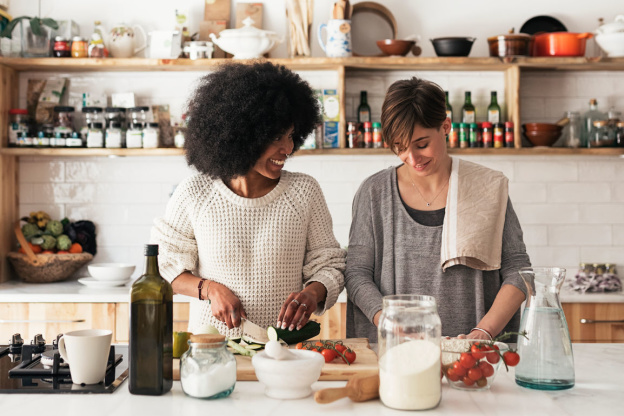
(395, 46)
(509, 45)
(541, 127)
(542, 138)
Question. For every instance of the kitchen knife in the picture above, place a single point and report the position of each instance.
(253, 332)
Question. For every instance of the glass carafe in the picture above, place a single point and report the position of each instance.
(546, 360)
(409, 352)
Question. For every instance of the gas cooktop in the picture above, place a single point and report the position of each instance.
(39, 368)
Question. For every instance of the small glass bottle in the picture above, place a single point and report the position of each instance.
(59, 140)
(178, 139)
(453, 137)
(377, 144)
(42, 139)
(473, 140)
(409, 334)
(368, 134)
(588, 120)
(74, 140)
(469, 114)
(114, 137)
(95, 136)
(463, 135)
(449, 109)
(134, 136)
(487, 134)
(208, 368)
(573, 130)
(151, 136)
(364, 111)
(509, 134)
(499, 135)
(494, 110)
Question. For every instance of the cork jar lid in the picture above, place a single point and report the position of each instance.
(207, 338)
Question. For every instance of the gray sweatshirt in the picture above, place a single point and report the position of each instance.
(390, 253)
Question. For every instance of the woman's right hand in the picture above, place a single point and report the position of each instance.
(225, 305)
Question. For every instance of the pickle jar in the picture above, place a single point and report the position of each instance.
(409, 335)
(207, 368)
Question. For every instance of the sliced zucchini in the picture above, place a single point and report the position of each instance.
(254, 346)
(310, 330)
(239, 349)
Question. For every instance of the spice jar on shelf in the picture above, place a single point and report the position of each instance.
(600, 135)
(19, 121)
(62, 48)
(79, 47)
(487, 134)
(208, 368)
(95, 136)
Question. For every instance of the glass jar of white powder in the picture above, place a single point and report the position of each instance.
(409, 335)
(207, 368)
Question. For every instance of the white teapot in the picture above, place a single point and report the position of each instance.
(614, 27)
(248, 42)
(121, 41)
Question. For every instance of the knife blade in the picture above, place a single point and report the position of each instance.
(254, 332)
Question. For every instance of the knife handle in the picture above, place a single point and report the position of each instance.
(330, 395)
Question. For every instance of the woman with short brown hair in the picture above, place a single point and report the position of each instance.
(434, 225)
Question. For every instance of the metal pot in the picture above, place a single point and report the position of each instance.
(509, 45)
(560, 44)
(456, 46)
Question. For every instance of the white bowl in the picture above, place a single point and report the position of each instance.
(288, 379)
(611, 43)
(111, 271)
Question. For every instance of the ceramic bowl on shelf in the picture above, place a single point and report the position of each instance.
(611, 43)
(288, 379)
(480, 374)
(111, 271)
(247, 42)
(395, 47)
(542, 134)
(453, 46)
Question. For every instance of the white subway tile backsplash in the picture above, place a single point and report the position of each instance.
(338, 192)
(41, 171)
(127, 192)
(123, 235)
(527, 192)
(618, 192)
(535, 235)
(595, 85)
(579, 192)
(605, 254)
(601, 213)
(341, 214)
(579, 235)
(553, 256)
(63, 193)
(598, 171)
(618, 235)
(555, 171)
(546, 213)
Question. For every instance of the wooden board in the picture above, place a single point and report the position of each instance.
(365, 363)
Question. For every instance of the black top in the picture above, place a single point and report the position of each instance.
(433, 218)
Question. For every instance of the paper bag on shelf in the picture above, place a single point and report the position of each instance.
(217, 10)
(213, 26)
(252, 10)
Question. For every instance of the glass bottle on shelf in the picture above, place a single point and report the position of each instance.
(600, 135)
(588, 119)
(469, 115)
(364, 111)
(449, 109)
(151, 330)
(494, 110)
(573, 131)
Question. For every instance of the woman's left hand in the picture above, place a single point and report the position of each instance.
(296, 310)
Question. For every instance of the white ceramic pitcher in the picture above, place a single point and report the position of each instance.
(338, 38)
(121, 40)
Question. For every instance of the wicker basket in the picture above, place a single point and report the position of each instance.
(44, 268)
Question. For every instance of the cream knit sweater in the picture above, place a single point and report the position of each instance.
(262, 249)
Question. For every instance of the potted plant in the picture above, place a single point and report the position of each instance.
(36, 38)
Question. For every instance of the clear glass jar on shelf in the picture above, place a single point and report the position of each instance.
(208, 368)
(573, 131)
(114, 136)
(409, 334)
(95, 136)
(139, 115)
(63, 119)
(151, 136)
(601, 135)
(134, 136)
(115, 115)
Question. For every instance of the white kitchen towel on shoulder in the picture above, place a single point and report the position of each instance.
(472, 233)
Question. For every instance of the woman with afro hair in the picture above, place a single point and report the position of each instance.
(243, 237)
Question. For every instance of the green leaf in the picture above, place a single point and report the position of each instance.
(35, 26)
(50, 23)
(8, 30)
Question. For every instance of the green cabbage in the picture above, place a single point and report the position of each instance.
(49, 242)
(63, 242)
(30, 230)
(55, 227)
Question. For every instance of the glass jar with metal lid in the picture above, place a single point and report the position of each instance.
(409, 326)
(95, 136)
(62, 48)
(63, 119)
(114, 136)
(600, 135)
(79, 47)
(208, 368)
(139, 115)
(115, 115)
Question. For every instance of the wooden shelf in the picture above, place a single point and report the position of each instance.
(535, 151)
(374, 63)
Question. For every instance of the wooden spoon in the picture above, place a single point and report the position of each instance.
(358, 388)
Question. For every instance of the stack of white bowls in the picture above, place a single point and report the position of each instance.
(108, 274)
(610, 37)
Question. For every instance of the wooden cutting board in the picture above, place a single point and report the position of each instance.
(365, 363)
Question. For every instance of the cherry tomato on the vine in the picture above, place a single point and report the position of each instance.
(486, 368)
(460, 370)
(329, 355)
(452, 375)
(475, 373)
(467, 360)
(511, 358)
(477, 351)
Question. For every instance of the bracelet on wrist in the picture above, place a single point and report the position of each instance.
(476, 328)
(200, 287)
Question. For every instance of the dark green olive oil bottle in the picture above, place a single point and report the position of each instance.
(151, 330)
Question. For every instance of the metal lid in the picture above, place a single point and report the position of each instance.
(18, 111)
(63, 109)
(600, 123)
(115, 110)
(61, 39)
(97, 125)
(116, 125)
(91, 109)
(78, 39)
(137, 109)
(154, 125)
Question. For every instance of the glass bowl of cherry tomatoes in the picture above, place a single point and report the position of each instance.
(471, 364)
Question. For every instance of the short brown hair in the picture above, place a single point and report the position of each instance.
(407, 103)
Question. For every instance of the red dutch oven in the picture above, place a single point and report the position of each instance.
(560, 44)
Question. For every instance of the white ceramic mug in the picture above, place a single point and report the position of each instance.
(86, 351)
(338, 38)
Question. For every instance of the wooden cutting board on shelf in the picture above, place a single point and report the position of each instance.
(365, 363)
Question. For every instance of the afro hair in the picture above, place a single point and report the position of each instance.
(239, 109)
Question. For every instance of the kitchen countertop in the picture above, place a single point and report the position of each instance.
(599, 390)
(71, 291)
